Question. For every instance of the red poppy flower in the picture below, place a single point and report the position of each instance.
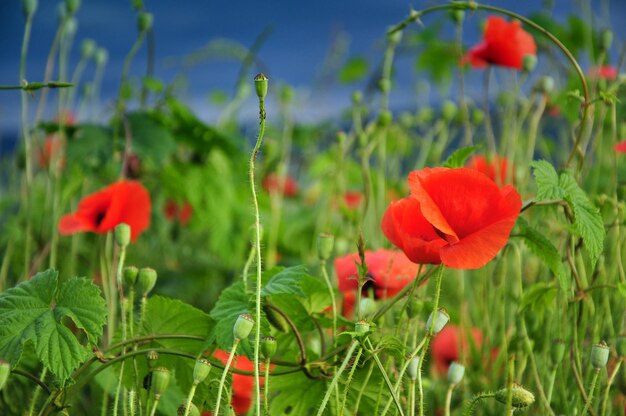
(390, 271)
(100, 212)
(448, 344)
(608, 72)
(353, 199)
(272, 184)
(456, 216)
(497, 168)
(180, 212)
(51, 150)
(620, 147)
(504, 44)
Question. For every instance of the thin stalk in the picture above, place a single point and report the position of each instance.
(381, 368)
(474, 403)
(246, 266)
(266, 387)
(609, 383)
(335, 379)
(157, 398)
(362, 390)
(350, 375)
(412, 398)
(192, 392)
(35, 397)
(224, 373)
(448, 399)
(120, 287)
(331, 292)
(592, 388)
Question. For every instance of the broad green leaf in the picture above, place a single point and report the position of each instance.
(547, 181)
(150, 140)
(295, 395)
(545, 250)
(41, 313)
(232, 302)
(354, 70)
(539, 298)
(458, 157)
(285, 281)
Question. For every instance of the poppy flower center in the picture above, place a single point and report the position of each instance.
(99, 217)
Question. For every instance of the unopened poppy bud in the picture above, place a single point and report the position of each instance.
(449, 110)
(72, 6)
(457, 16)
(193, 410)
(521, 397)
(243, 326)
(201, 370)
(599, 355)
(71, 26)
(557, 351)
(385, 118)
(160, 380)
(101, 56)
(122, 234)
(138, 4)
(478, 116)
(146, 279)
(87, 48)
(357, 97)
(620, 345)
(425, 115)
(455, 373)
(261, 84)
(413, 308)
(394, 37)
(144, 21)
(153, 357)
(130, 275)
(367, 307)
(440, 320)
(325, 245)
(362, 327)
(606, 39)
(268, 347)
(29, 7)
(529, 62)
(384, 85)
(413, 367)
(546, 84)
(5, 370)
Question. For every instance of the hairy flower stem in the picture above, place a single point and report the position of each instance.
(335, 379)
(350, 375)
(331, 292)
(381, 368)
(224, 373)
(120, 287)
(266, 388)
(246, 266)
(474, 403)
(257, 245)
(592, 388)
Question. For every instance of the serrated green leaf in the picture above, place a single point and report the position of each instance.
(392, 345)
(286, 281)
(38, 312)
(458, 157)
(295, 395)
(232, 302)
(547, 181)
(545, 250)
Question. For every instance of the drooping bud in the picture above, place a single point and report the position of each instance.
(268, 347)
(367, 307)
(362, 327)
(521, 397)
(449, 110)
(144, 21)
(529, 62)
(455, 373)
(599, 355)
(146, 279)
(101, 56)
(439, 320)
(261, 82)
(160, 380)
(152, 357)
(201, 370)
(29, 7)
(122, 234)
(243, 326)
(413, 367)
(193, 410)
(71, 26)
(72, 6)
(130, 275)
(384, 85)
(87, 48)
(325, 245)
(457, 16)
(385, 118)
(5, 370)
(478, 116)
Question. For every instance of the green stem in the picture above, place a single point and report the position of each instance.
(331, 291)
(350, 375)
(224, 373)
(381, 368)
(474, 403)
(336, 377)
(609, 383)
(246, 266)
(592, 388)
(192, 392)
(266, 388)
(412, 398)
(157, 397)
(35, 397)
(448, 399)
(362, 389)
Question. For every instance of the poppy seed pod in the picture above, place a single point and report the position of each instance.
(455, 373)
(201, 370)
(521, 397)
(101, 56)
(5, 370)
(599, 355)
(146, 279)
(261, 85)
(449, 110)
(413, 367)
(130, 275)
(268, 347)
(137, 4)
(87, 48)
(72, 6)
(193, 410)
(529, 62)
(357, 97)
(439, 320)
(557, 351)
(29, 7)
(325, 245)
(362, 327)
(457, 16)
(71, 26)
(384, 85)
(385, 118)
(243, 326)
(122, 234)
(152, 357)
(160, 380)
(478, 116)
(545, 84)
(144, 21)
(367, 307)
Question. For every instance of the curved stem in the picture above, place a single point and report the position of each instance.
(472, 405)
(32, 378)
(224, 373)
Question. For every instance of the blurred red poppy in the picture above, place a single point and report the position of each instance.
(272, 184)
(448, 344)
(504, 44)
(497, 168)
(51, 150)
(456, 216)
(353, 199)
(608, 72)
(178, 212)
(390, 271)
(620, 147)
(122, 202)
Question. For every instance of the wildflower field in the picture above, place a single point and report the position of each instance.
(458, 257)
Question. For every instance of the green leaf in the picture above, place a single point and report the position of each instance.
(150, 140)
(621, 287)
(295, 395)
(458, 157)
(547, 181)
(285, 281)
(354, 70)
(41, 313)
(545, 250)
(539, 298)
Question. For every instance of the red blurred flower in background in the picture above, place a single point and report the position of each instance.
(458, 217)
(390, 271)
(497, 168)
(448, 344)
(353, 199)
(620, 147)
(122, 202)
(178, 212)
(272, 184)
(504, 44)
(608, 72)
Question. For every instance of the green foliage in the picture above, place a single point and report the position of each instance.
(458, 158)
(285, 281)
(539, 298)
(295, 395)
(150, 140)
(587, 218)
(61, 320)
(354, 70)
(232, 302)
